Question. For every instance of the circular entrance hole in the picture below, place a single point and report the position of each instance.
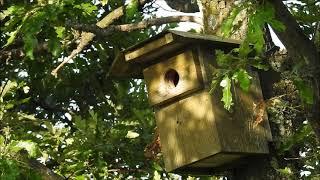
(172, 78)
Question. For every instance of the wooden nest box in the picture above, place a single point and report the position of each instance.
(196, 133)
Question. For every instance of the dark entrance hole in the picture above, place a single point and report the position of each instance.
(172, 78)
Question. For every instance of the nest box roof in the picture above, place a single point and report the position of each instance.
(131, 62)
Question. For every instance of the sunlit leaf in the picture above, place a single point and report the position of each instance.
(132, 135)
(2, 141)
(29, 146)
(156, 176)
(87, 8)
(60, 30)
(226, 92)
(9, 85)
(243, 78)
(104, 2)
(228, 23)
(132, 8)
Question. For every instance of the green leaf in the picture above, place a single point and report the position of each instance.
(2, 141)
(92, 122)
(12, 37)
(7, 88)
(157, 167)
(81, 177)
(227, 25)
(60, 30)
(285, 171)
(243, 78)
(9, 106)
(10, 11)
(132, 9)
(87, 8)
(226, 92)
(244, 49)
(277, 25)
(29, 146)
(297, 138)
(156, 175)
(213, 85)
(23, 116)
(104, 2)
(54, 46)
(132, 135)
(257, 62)
(305, 91)
(225, 60)
(30, 43)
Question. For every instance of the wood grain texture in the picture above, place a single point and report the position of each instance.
(196, 132)
(239, 130)
(161, 91)
(187, 131)
(148, 47)
(163, 45)
(195, 129)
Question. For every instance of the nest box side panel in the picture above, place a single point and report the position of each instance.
(245, 129)
(173, 78)
(187, 130)
(218, 160)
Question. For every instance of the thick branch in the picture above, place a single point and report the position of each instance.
(187, 6)
(135, 26)
(43, 171)
(303, 51)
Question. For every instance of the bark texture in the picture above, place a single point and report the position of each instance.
(302, 51)
(216, 12)
(255, 168)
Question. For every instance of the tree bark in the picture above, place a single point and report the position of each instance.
(302, 51)
(255, 168)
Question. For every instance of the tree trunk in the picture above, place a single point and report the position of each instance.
(256, 168)
(269, 167)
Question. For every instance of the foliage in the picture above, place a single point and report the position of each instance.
(236, 63)
(285, 113)
(85, 125)
(81, 124)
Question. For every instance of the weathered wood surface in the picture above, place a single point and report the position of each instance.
(187, 131)
(132, 61)
(195, 130)
(148, 47)
(162, 90)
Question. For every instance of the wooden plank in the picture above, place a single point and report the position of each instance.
(162, 46)
(217, 160)
(162, 90)
(122, 69)
(148, 47)
(187, 131)
(239, 130)
(217, 41)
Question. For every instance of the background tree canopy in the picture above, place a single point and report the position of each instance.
(61, 117)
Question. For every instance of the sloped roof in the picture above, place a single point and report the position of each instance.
(131, 62)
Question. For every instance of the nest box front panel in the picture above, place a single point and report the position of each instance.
(173, 78)
(187, 130)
